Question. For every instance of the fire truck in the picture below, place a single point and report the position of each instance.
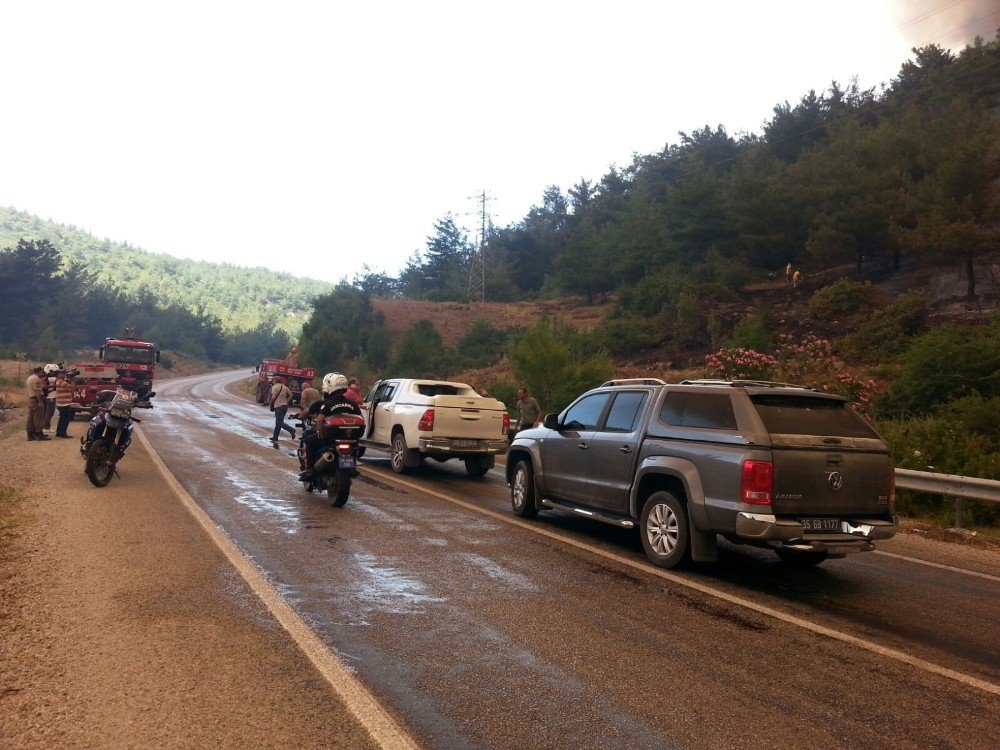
(295, 377)
(134, 360)
(126, 362)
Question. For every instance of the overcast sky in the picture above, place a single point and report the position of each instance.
(312, 137)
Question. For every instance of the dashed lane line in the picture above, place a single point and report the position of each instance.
(361, 703)
(963, 571)
(838, 635)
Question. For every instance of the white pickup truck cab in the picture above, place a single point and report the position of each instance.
(417, 419)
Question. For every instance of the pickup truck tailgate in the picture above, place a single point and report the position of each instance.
(830, 481)
(463, 417)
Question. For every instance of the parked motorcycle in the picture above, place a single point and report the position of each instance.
(336, 458)
(110, 433)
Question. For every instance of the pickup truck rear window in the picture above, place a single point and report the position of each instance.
(801, 415)
(425, 389)
(685, 409)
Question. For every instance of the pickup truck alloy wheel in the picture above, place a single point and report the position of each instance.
(522, 491)
(664, 528)
(397, 453)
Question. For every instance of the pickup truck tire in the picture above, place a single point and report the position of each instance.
(399, 454)
(800, 559)
(522, 490)
(663, 527)
(479, 465)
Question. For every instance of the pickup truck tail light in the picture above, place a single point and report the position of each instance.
(892, 489)
(426, 423)
(757, 482)
(506, 424)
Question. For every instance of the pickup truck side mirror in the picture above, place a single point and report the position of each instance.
(551, 422)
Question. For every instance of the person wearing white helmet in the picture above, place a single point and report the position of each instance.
(50, 393)
(334, 402)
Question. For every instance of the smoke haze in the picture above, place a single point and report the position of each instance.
(946, 23)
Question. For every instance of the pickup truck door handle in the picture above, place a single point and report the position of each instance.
(582, 446)
(624, 449)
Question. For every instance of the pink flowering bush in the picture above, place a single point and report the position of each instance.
(741, 364)
(809, 362)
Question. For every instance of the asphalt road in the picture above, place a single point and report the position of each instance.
(478, 630)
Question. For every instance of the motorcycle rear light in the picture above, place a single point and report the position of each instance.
(506, 424)
(757, 482)
(426, 423)
(344, 447)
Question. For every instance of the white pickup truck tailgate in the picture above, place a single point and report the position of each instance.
(464, 417)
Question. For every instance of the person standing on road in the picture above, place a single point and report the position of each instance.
(64, 399)
(36, 405)
(795, 279)
(307, 398)
(281, 395)
(529, 413)
(50, 393)
(788, 274)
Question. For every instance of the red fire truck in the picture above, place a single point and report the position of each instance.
(295, 376)
(134, 360)
(126, 362)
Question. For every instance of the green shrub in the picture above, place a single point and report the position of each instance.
(550, 360)
(622, 334)
(166, 362)
(482, 344)
(942, 444)
(889, 331)
(948, 363)
(753, 332)
(845, 299)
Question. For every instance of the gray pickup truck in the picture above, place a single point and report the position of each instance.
(773, 465)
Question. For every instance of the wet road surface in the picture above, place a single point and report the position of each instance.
(479, 632)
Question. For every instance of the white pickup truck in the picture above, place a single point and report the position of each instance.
(417, 419)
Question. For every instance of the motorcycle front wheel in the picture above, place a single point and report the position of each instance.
(339, 491)
(100, 466)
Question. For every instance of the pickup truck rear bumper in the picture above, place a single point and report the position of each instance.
(462, 446)
(855, 534)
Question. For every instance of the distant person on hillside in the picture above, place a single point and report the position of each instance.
(788, 274)
(36, 404)
(795, 279)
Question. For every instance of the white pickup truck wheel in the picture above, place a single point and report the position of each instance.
(479, 465)
(399, 453)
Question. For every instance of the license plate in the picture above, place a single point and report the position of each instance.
(820, 524)
(347, 462)
(464, 443)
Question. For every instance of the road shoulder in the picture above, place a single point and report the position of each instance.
(122, 625)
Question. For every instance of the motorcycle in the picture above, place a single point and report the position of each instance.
(110, 433)
(337, 457)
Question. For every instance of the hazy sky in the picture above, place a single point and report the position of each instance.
(312, 137)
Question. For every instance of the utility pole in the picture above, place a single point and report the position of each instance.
(477, 257)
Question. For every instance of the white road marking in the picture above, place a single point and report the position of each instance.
(364, 706)
(890, 653)
(963, 571)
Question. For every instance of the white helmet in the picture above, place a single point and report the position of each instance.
(51, 369)
(334, 381)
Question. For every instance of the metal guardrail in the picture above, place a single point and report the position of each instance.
(949, 485)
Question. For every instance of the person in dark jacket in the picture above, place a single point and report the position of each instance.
(335, 401)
